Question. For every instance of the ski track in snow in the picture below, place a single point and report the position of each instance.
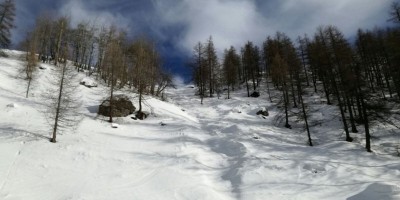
(219, 150)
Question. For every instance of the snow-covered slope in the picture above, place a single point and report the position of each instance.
(219, 150)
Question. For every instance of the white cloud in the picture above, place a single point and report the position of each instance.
(229, 22)
(233, 22)
(303, 16)
(78, 12)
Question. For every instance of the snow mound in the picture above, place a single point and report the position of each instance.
(88, 82)
(236, 110)
(378, 191)
(12, 105)
(167, 110)
(314, 168)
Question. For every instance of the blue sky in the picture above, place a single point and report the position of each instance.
(177, 25)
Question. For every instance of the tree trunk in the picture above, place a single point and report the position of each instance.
(269, 93)
(366, 126)
(304, 113)
(286, 102)
(345, 126)
(59, 42)
(228, 92)
(53, 139)
(247, 86)
(111, 93)
(293, 93)
(140, 99)
(352, 121)
(306, 121)
(29, 85)
(328, 100)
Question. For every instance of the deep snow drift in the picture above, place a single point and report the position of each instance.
(184, 150)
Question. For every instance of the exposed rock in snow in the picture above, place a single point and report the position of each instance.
(12, 105)
(121, 107)
(255, 94)
(263, 112)
(88, 82)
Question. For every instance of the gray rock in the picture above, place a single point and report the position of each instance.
(121, 107)
(263, 112)
(255, 94)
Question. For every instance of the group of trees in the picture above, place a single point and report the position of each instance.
(106, 53)
(206, 69)
(362, 79)
(212, 76)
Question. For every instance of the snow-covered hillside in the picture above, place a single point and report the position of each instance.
(219, 150)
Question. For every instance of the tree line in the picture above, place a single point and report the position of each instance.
(362, 77)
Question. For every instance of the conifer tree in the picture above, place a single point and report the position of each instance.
(230, 66)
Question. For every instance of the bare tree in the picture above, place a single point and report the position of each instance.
(211, 64)
(395, 12)
(113, 62)
(164, 80)
(44, 28)
(60, 100)
(279, 75)
(199, 69)
(7, 14)
(145, 60)
(31, 59)
(61, 26)
(230, 64)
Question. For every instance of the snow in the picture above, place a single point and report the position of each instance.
(88, 82)
(204, 151)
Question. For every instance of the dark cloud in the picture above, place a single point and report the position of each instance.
(229, 21)
(26, 12)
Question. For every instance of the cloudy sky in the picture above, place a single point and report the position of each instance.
(177, 25)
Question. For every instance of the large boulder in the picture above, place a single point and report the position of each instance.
(255, 94)
(121, 107)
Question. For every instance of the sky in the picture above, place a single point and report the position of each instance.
(177, 25)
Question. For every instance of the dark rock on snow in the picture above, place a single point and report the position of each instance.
(141, 115)
(263, 112)
(121, 107)
(255, 94)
